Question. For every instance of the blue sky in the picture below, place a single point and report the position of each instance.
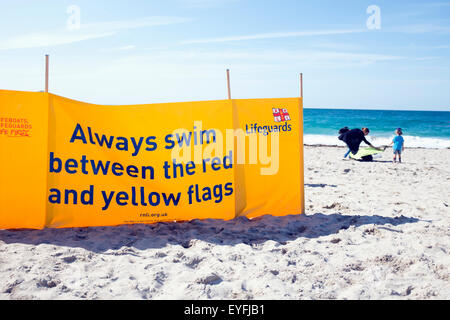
(129, 52)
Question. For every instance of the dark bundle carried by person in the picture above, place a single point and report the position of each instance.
(342, 131)
(353, 138)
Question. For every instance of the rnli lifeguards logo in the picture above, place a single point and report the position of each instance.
(15, 127)
(281, 114)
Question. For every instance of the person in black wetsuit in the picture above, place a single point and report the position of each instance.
(353, 138)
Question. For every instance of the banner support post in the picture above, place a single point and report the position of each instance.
(228, 84)
(46, 72)
(302, 165)
(301, 85)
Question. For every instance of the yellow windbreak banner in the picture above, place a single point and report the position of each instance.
(65, 163)
(271, 175)
(23, 159)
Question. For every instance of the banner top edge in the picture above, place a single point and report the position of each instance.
(141, 104)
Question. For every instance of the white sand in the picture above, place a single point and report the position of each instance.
(372, 231)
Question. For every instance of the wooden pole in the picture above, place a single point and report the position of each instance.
(46, 72)
(302, 165)
(228, 84)
(301, 85)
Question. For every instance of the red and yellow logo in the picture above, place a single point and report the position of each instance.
(281, 114)
(15, 127)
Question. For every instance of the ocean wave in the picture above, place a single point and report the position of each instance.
(410, 141)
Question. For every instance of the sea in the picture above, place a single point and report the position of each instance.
(421, 129)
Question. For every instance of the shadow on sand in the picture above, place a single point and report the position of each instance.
(218, 232)
(320, 185)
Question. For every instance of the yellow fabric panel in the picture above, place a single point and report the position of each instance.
(23, 159)
(65, 163)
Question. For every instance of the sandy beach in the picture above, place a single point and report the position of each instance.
(373, 230)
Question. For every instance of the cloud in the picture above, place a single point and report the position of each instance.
(422, 28)
(274, 35)
(444, 46)
(205, 3)
(435, 4)
(37, 40)
(135, 23)
(86, 32)
(426, 58)
(249, 58)
(123, 48)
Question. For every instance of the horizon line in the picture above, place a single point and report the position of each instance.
(374, 109)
